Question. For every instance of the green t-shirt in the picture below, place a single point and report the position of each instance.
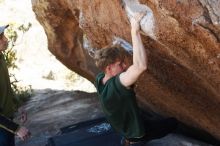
(120, 107)
(7, 105)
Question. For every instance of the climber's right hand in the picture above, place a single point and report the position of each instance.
(135, 21)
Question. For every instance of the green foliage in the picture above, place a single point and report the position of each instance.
(72, 76)
(10, 54)
(50, 76)
(22, 93)
(24, 28)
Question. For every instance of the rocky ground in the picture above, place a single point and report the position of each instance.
(49, 110)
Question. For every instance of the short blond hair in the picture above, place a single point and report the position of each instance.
(109, 55)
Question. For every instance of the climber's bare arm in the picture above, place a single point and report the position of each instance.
(139, 65)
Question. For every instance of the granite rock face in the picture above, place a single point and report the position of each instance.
(183, 45)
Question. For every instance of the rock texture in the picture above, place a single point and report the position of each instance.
(183, 76)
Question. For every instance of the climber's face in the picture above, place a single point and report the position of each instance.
(116, 68)
(3, 42)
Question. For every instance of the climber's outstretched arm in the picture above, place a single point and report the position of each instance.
(139, 65)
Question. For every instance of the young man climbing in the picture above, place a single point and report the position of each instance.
(117, 97)
(8, 128)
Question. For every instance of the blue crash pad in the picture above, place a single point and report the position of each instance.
(90, 133)
(98, 132)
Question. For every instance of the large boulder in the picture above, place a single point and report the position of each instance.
(183, 76)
